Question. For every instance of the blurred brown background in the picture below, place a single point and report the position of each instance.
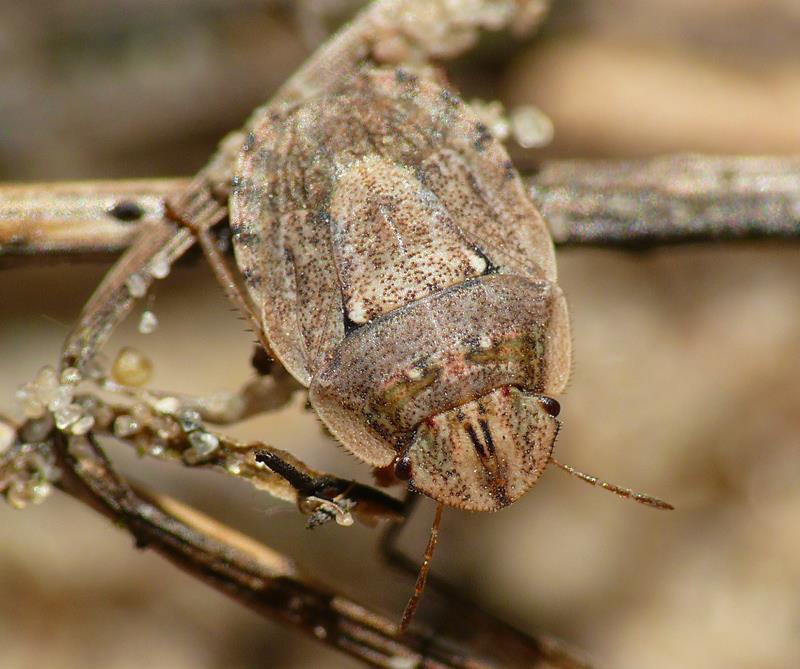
(686, 380)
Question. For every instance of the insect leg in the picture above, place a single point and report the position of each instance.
(422, 577)
(199, 211)
(156, 248)
(388, 541)
(323, 497)
(257, 396)
(399, 560)
(171, 432)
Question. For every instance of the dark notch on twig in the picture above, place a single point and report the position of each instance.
(126, 211)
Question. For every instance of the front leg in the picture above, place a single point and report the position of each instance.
(182, 436)
(197, 210)
(164, 429)
(151, 256)
(260, 395)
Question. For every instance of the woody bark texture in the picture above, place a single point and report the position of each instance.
(669, 200)
(275, 587)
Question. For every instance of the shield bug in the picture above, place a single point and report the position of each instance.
(401, 273)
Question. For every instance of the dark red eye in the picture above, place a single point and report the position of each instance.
(402, 468)
(550, 406)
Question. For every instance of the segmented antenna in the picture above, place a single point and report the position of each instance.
(422, 577)
(622, 492)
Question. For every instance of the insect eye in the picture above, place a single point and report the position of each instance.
(550, 405)
(402, 468)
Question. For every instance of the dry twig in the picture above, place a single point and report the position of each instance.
(269, 583)
(669, 200)
(643, 203)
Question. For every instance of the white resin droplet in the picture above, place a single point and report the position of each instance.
(159, 268)
(148, 322)
(190, 420)
(70, 376)
(344, 519)
(46, 385)
(203, 445)
(531, 127)
(168, 405)
(7, 436)
(40, 491)
(156, 450)
(63, 398)
(68, 415)
(399, 662)
(28, 400)
(82, 425)
(131, 368)
(17, 495)
(125, 426)
(137, 286)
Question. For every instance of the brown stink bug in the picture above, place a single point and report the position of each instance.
(395, 267)
(404, 276)
(400, 272)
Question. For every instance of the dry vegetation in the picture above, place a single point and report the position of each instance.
(686, 381)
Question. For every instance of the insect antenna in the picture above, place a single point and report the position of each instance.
(422, 577)
(617, 490)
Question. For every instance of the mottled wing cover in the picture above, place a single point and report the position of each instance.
(282, 242)
(375, 195)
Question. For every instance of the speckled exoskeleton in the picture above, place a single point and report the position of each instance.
(401, 272)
